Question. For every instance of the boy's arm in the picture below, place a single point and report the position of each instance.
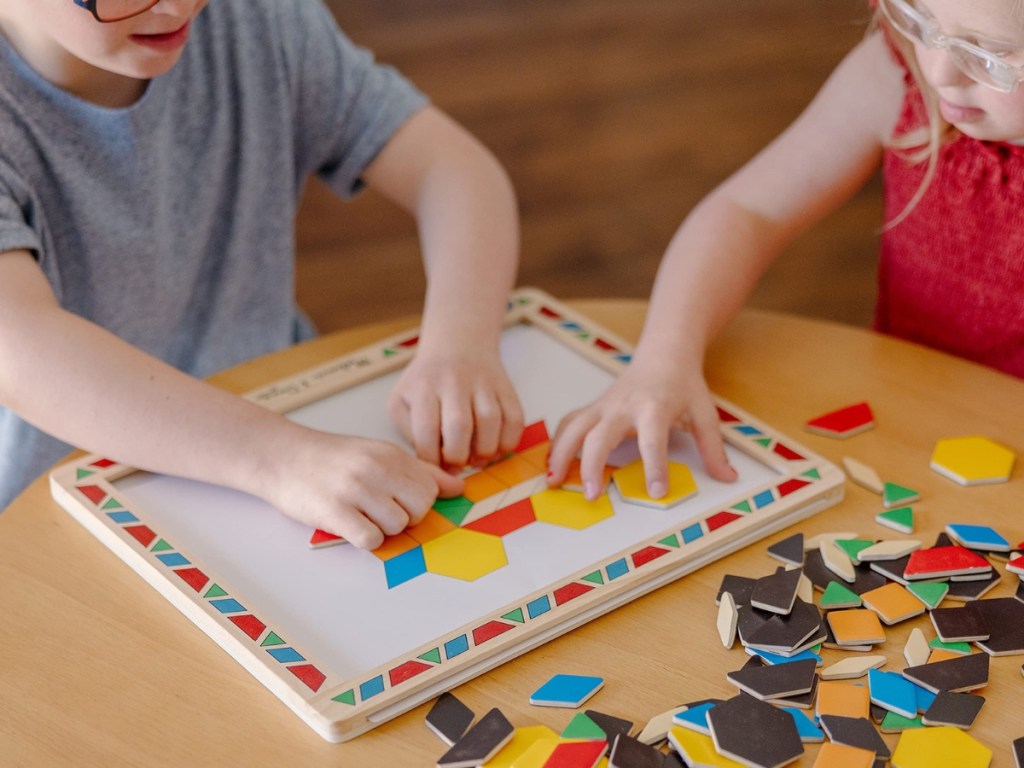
(454, 402)
(73, 379)
(716, 258)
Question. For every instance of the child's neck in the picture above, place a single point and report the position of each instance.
(77, 77)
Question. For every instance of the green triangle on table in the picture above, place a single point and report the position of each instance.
(582, 727)
(743, 506)
(853, 547)
(348, 697)
(893, 494)
(929, 592)
(813, 473)
(670, 541)
(111, 503)
(765, 441)
(215, 591)
(83, 473)
(455, 509)
(838, 596)
(516, 616)
(893, 723)
(433, 655)
(594, 578)
(162, 546)
(899, 519)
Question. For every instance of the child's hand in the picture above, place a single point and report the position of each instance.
(457, 410)
(360, 489)
(647, 403)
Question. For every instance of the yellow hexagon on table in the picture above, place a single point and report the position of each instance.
(972, 460)
(570, 509)
(464, 554)
(933, 747)
(629, 479)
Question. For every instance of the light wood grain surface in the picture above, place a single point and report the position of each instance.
(97, 669)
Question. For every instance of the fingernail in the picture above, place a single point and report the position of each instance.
(657, 489)
(590, 491)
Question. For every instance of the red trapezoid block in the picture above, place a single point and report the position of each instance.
(647, 554)
(490, 630)
(843, 422)
(310, 675)
(571, 591)
(533, 434)
(93, 493)
(791, 485)
(719, 519)
(787, 453)
(403, 672)
(505, 520)
(249, 624)
(193, 577)
(141, 533)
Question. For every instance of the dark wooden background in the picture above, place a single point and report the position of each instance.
(613, 118)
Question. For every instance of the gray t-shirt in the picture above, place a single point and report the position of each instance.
(171, 222)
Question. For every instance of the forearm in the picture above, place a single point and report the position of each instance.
(83, 385)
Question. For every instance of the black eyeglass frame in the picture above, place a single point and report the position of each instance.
(90, 6)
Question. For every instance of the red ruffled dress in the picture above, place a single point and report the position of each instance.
(951, 274)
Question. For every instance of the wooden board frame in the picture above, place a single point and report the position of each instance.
(339, 709)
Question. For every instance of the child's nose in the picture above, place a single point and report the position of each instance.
(939, 69)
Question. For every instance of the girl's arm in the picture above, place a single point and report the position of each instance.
(89, 388)
(454, 402)
(716, 258)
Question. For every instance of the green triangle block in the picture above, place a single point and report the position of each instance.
(900, 519)
(815, 648)
(853, 547)
(583, 335)
(743, 506)
(813, 473)
(83, 473)
(272, 638)
(215, 591)
(516, 616)
(582, 727)
(434, 656)
(454, 509)
(594, 578)
(893, 722)
(928, 592)
(161, 546)
(893, 494)
(670, 541)
(765, 441)
(348, 697)
(390, 352)
(111, 503)
(838, 596)
(961, 648)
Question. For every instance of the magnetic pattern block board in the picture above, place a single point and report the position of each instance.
(346, 650)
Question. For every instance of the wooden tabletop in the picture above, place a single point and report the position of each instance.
(97, 669)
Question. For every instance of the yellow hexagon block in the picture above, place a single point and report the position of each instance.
(464, 554)
(972, 460)
(633, 488)
(931, 747)
(570, 509)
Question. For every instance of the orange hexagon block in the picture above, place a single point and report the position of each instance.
(570, 509)
(972, 460)
(633, 488)
(464, 554)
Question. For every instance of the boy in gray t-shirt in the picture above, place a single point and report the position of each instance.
(152, 155)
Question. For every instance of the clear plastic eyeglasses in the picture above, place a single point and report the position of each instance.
(984, 67)
(106, 11)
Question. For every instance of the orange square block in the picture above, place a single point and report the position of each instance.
(431, 527)
(537, 455)
(482, 485)
(395, 545)
(832, 755)
(837, 697)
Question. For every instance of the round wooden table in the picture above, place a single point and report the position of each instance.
(97, 669)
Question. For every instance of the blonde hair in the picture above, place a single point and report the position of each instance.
(921, 144)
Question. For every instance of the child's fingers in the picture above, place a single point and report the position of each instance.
(708, 436)
(456, 429)
(389, 514)
(425, 427)
(566, 443)
(652, 442)
(356, 528)
(448, 485)
(599, 442)
(486, 424)
(511, 421)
